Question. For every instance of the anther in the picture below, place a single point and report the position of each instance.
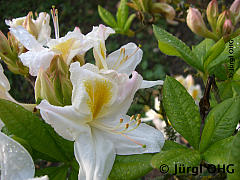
(126, 126)
(139, 45)
(132, 117)
(121, 120)
(138, 122)
(138, 117)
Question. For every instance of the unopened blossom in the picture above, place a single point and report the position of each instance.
(124, 60)
(39, 28)
(97, 121)
(72, 44)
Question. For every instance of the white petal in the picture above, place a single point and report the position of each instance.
(43, 27)
(72, 44)
(15, 22)
(4, 83)
(25, 38)
(80, 76)
(66, 121)
(16, 162)
(95, 156)
(131, 142)
(40, 178)
(122, 88)
(100, 32)
(36, 60)
(125, 61)
(148, 84)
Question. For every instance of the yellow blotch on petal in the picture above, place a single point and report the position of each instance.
(195, 94)
(65, 48)
(100, 94)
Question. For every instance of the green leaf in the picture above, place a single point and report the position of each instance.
(73, 175)
(224, 56)
(175, 157)
(225, 151)
(129, 22)
(182, 111)
(202, 48)
(131, 167)
(220, 122)
(214, 52)
(173, 46)
(169, 145)
(54, 173)
(107, 17)
(29, 127)
(122, 13)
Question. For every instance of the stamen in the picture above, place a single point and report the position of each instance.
(121, 120)
(126, 126)
(124, 57)
(143, 145)
(138, 117)
(54, 13)
(132, 117)
(139, 122)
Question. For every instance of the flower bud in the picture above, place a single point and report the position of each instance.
(4, 45)
(220, 21)
(54, 84)
(227, 27)
(212, 14)
(235, 11)
(165, 9)
(196, 24)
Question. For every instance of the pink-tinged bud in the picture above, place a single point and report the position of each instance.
(195, 22)
(166, 10)
(227, 27)
(220, 21)
(212, 13)
(54, 83)
(235, 11)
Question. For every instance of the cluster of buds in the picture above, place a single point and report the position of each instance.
(153, 8)
(222, 25)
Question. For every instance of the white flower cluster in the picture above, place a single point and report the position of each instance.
(102, 93)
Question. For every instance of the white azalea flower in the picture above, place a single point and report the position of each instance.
(97, 120)
(124, 60)
(15, 162)
(74, 43)
(42, 29)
